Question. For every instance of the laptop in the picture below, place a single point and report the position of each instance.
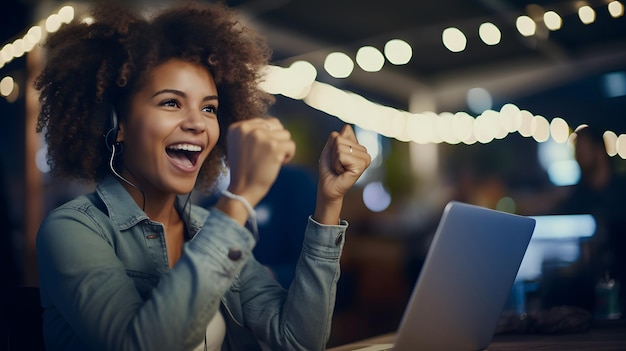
(465, 281)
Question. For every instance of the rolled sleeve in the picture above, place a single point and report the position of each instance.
(324, 241)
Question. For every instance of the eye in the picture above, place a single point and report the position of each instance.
(210, 109)
(170, 103)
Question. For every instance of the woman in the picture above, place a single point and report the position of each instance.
(149, 109)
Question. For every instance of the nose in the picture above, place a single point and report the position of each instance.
(194, 122)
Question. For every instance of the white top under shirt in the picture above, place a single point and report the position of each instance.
(215, 332)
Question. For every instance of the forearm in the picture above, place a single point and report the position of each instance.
(327, 212)
(306, 310)
(233, 208)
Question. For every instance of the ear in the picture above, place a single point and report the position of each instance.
(120, 133)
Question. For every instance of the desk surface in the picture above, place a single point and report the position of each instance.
(605, 336)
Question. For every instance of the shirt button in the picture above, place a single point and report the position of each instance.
(234, 254)
(339, 239)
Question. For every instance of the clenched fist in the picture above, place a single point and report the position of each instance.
(341, 163)
(257, 149)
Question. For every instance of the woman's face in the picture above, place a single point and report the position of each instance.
(171, 128)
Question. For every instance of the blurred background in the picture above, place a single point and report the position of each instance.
(469, 100)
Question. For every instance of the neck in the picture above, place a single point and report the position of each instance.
(158, 205)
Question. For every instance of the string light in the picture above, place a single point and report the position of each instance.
(586, 14)
(610, 142)
(526, 26)
(429, 127)
(453, 39)
(298, 82)
(338, 65)
(6, 86)
(552, 20)
(35, 35)
(616, 9)
(370, 59)
(559, 130)
(489, 33)
(398, 52)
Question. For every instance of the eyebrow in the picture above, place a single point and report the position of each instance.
(182, 94)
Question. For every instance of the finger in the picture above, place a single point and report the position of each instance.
(349, 145)
(348, 137)
(328, 147)
(338, 164)
(261, 123)
(348, 132)
(282, 134)
(290, 151)
(284, 146)
(352, 163)
(273, 123)
(352, 156)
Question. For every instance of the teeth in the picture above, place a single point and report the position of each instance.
(185, 147)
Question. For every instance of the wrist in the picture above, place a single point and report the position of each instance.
(328, 212)
(232, 203)
(233, 208)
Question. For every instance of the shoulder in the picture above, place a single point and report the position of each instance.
(82, 212)
(81, 205)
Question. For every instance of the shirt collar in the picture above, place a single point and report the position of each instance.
(125, 213)
(123, 210)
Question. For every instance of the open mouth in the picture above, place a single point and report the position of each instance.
(185, 155)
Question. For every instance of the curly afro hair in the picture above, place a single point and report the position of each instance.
(93, 68)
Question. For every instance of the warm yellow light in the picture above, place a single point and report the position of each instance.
(88, 20)
(445, 128)
(370, 59)
(453, 39)
(552, 20)
(559, 130)
(526, 128)
(610, 142)
(338, 65)
(272, 78)
(7, 52)
(486, 127)
(540, 129)
(621, 146)
(489, 33)
(526, 26)
(431, 125)
(616, 9)
(6, 86)
(66, 14)
(463, 126)
(294, 82)
(510, 118)
(328, 98)
(418, 128)
(301, 74)
(18, 48)
(33, 36)
(586, 14)
(472, 140)
(53, 23)
(398, 52)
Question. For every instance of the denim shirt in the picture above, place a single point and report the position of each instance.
(106, 284)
